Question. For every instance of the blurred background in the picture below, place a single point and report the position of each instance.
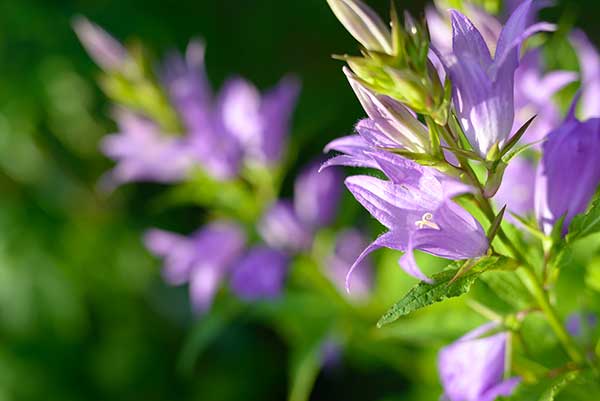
(84, 313)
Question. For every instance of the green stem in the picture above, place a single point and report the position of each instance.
(533, 284)
(527, 272)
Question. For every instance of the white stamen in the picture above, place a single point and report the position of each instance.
(427, 222)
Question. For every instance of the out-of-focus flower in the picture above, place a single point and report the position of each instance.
(416, 208)
(484, 87)
(569, 172)
(281, 228)
(143, 153)
(589, 60)
(472, 368)
(215, 147)
(239, 123)
(579, 323)
(517, 189)
(261, 123)
(331, 353)
(260, 274)
(289, 225)
(533, 96)
(317, 195)
(106, 51)
(202, 260)
(347, 248)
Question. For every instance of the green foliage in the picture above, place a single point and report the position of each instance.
(446, 285)
(585, 224)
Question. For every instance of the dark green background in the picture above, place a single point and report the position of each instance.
(83, 312)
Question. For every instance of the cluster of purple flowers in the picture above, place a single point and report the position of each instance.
(220, 135)
(496, 89)
(219, 132)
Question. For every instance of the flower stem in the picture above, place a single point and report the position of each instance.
(527, 272)
(530, 279)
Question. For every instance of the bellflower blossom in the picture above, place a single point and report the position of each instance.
(238, 124)
(472, 368)
(569, 173)
(517, 189)
(290, 226)
(203, 260)
(143, 153)
(414, 204)
(589, 60)
(260, 274)
(483, 87)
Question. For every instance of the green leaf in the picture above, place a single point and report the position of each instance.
(585, 224)
(444, 287)
(557, 386)
(508, 287)
(545, 390)
(516, 137)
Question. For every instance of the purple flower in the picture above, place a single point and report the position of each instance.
(214, 146)
(440, 28)
(483, 87)
(289, 225)
(533, 96)
(202, 260)
(416, 208)
(569, 173)
(105, 50)
(240, 122)
(260, 274)
(517, 189)
(589, 61)
(260, 123)
(281, 228)
(347, 248)
(400, 126)
(579, 323)
(317, 195)
(472, 368)
(144, 153)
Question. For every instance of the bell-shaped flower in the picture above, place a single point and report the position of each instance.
(144, 153)
(398, 123)
(260, 122)
(105, 50)
(533, 96)
(569, 173)
(202, 260)
(483, 87)
(517, 189)
(472, 368)
(440, 27)
(281, 228)
(217, 150)
(317, 195)
(415, 206)
(260, 274)
(290, 226)
(589, 64)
